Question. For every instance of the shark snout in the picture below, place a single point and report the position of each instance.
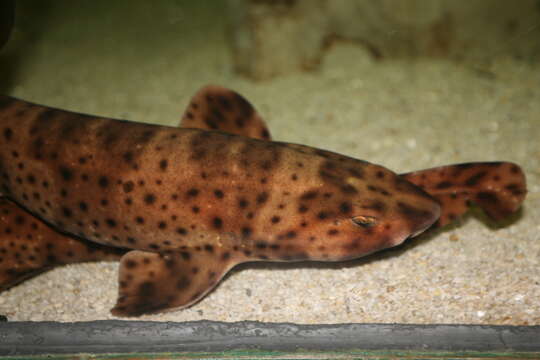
(420, 219)
(413, 220)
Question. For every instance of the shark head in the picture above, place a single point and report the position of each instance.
(379, 215)
(353, 208)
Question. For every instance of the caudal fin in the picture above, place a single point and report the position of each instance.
(498, 188)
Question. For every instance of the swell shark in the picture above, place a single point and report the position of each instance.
(181, 206)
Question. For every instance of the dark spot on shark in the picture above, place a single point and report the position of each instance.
(147, 289)
(261, 245)
(8, 134)
(345, 207)
(355, 172)
(265, 134)
(349, 189)
(243, 203)
(192, 192)
(487, 197)
(66, 173)
(473, 180)
(463, 166)
(67, 212)
(128, 186)
(515, 189)
(163, 164)
(309, 195)
(225, 103)
(291, 234)
(128, 156)
(149, 199)
(217, 222)
(322, 215)
(375, 205)
(246, 109)
(103, 181)
(262, 197)
(183, 283)
(246, 231)
(444, 185)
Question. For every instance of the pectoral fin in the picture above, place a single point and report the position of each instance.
(155, 282)
(498, 188)
(218, 108)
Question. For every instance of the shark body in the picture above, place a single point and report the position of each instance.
(181, 206)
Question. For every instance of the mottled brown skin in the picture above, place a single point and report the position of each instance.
(29, 246)
(193, 203)
(216, 108)
(496, 187)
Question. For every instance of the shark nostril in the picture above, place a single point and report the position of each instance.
(364, 221)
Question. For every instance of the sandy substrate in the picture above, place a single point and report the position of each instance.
(401, 115)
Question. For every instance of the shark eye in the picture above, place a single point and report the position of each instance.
(364, 221)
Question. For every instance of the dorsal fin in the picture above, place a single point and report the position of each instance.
(498, 188)
(217, 108)
(154, 282)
